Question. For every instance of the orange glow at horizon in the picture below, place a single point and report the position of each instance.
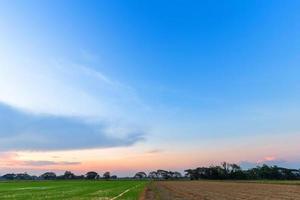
(139, 158)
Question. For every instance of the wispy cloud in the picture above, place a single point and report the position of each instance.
(48, 163)
(26, 131)
(155, 151)
(52, 104)
(12, 159)
(65, 88)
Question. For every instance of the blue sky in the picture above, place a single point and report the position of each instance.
(158, 75)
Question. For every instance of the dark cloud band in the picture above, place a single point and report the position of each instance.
(20, 130)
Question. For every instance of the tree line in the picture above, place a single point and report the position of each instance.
(68, 175)
(229, 171)
(159, 174)
(235, 172)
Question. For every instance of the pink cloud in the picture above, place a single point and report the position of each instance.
(269, 158)
(266, 159)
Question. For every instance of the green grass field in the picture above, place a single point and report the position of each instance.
(75, 189)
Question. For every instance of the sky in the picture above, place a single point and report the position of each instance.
(125, 86)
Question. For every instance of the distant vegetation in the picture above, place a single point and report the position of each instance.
(235, 172)
(220, 172)
(227, 171)
(68, 175)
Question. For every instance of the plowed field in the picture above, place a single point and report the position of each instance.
(218, 190)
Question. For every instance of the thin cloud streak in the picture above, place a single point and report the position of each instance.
(60, 87)
(47, 163)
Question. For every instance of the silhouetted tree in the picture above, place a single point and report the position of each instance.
(153, 175)
(92, 175)
(9, 176)
(68, 175)
(48, 176)
(23, 176)
(140, 175)
(163, 174)
(177, 175)
(113, 177)
(106, 175)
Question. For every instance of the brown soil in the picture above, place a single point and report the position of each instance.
(149, 192)
(209, 190)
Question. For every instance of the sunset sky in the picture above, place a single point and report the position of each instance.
(124, 86)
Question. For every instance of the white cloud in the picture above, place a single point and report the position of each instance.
(56, 87)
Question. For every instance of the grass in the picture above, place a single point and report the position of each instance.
(75, 190)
